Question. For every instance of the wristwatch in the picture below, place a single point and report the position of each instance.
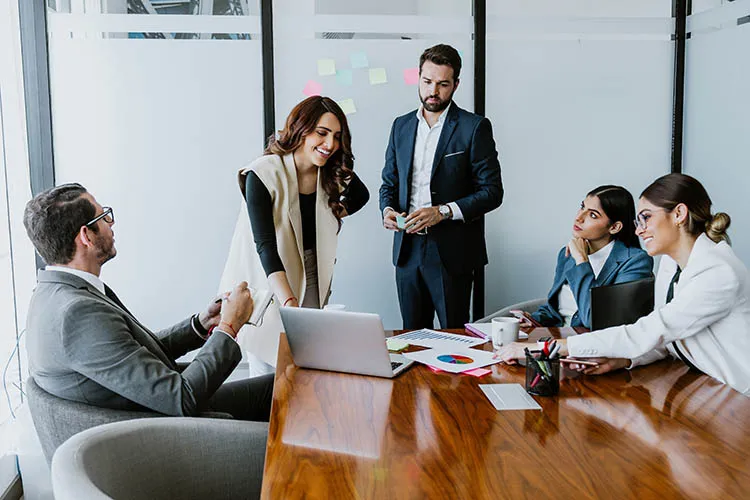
(445, 211)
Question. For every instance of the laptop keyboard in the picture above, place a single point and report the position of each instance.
(395, 365)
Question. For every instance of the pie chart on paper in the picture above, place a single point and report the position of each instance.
(455, 359)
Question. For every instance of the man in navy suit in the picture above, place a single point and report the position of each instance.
(441, 173)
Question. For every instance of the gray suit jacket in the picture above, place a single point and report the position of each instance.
(83, 347)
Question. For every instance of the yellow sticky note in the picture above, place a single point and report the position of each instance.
(347, 106)
(326, 67)
(396, 344)
(378, 76)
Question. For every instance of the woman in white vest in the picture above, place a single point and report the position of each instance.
(295, 197)
(702, 313)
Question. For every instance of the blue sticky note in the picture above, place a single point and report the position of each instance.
(359, 60)
(344, 76)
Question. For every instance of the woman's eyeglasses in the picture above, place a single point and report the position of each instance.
(641, 220)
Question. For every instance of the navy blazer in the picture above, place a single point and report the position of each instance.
(465, 170)
(624, 264)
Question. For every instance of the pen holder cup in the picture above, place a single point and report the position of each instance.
(542, 376)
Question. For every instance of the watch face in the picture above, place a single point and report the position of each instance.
(444, 210)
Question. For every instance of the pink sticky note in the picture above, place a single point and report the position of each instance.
(312, 88)
(411, 76)
(478, 372)
(436, 370)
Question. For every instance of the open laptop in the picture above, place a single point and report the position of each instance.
(340, 341)
(621, 304)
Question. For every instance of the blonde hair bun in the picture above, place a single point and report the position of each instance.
(716, 228)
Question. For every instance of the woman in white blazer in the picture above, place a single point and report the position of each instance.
(295, 197)
(702, 314)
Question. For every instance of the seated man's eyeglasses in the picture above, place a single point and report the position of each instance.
(108, 215)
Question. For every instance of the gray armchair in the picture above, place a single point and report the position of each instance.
(162, 458)
(56, 419)
(529, 306)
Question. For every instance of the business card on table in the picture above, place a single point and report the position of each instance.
(509, 397)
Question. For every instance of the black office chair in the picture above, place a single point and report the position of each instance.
(621, 304)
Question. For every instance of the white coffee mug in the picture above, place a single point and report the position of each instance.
(334, 307)
(504, 331)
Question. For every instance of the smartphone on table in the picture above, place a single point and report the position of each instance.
(579, 362)
(523, 315)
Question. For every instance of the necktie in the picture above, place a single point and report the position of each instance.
(675, 279)
(670, 296)
(114, 298)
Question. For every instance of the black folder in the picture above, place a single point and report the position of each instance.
(621, 304)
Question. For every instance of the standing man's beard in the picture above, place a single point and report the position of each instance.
(435, 107)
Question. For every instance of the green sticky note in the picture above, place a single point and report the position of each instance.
(347, 106)
(344, 76)
(396, 344)
(326, 67)
(378, 76)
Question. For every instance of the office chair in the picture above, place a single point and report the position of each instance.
(622, 303)
(162, 458)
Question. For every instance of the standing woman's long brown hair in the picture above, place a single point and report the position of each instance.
(301, 122)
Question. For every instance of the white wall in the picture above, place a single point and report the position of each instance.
(717, 114)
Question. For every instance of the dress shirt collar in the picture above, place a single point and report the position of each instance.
(441, 118)
(599, 258)
(90, 278)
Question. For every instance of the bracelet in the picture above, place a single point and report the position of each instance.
(224, 323)
(287, 300)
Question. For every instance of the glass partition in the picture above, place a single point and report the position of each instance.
(365, 56)
(155, 106)
(717, 111)
(17, 278)
(580, 95)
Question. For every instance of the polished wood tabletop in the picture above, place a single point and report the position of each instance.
(658, 431)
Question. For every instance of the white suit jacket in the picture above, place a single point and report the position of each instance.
(709, 317)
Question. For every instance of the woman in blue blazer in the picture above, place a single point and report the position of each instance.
(604, 250)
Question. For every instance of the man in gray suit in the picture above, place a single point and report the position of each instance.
(84, 345)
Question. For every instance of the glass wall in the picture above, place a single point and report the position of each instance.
(579, 94)
(16, 254)
(161, 102)
(365, 56)
(155, 106)
(717, 111)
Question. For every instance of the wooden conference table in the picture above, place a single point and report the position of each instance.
(659, 431)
